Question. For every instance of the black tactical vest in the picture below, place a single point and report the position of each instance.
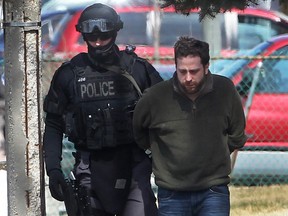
(101, 115)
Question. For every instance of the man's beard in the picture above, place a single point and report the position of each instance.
(194, 88)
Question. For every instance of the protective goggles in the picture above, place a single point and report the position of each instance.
(99, 25)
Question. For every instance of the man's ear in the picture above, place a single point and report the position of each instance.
(206, 68)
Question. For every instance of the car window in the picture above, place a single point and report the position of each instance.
(253, 30)
(51, 25)
(274, 77)
(249, 35)
(138, 28)
(232, 67)
(134, 31)
(174, 25)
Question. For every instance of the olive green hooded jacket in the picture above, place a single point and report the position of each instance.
(191, 141)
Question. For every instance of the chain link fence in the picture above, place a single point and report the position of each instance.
(262, 83)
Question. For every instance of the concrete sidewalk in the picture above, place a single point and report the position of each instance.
(3, 193)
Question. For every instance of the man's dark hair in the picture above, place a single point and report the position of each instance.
(185, 46)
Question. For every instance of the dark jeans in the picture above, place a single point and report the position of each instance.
(214, 201)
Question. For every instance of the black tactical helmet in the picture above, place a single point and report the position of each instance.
(99, 18)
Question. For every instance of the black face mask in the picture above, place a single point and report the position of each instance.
(101, 54)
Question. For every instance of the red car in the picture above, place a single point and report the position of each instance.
(240, 30)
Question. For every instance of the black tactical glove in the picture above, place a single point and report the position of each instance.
(57, 184)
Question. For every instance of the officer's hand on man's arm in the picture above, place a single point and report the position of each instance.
(57, 184)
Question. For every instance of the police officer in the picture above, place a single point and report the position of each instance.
(91, 99)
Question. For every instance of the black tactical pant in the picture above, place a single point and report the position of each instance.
(140, 201)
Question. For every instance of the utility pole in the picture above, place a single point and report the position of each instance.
(156, 31)
(22, 30)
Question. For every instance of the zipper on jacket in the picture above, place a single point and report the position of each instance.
(194, 109)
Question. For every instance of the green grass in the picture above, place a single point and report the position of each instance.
(259, 201)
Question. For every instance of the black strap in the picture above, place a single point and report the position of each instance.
(127, 62)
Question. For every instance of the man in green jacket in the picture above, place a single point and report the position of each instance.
(192, 123)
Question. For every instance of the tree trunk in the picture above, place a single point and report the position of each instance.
(284, 7)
